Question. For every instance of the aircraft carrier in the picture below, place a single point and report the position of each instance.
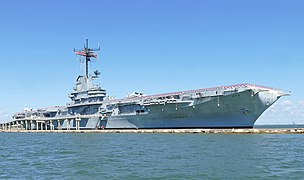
(235, 106)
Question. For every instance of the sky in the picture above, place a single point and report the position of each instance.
(152, 46)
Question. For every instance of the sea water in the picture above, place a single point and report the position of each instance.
(151, 156)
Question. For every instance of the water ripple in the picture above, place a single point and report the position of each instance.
(150, 156)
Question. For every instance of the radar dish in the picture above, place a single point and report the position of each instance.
(97, 73)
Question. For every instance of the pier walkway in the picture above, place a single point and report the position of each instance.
(199, 131)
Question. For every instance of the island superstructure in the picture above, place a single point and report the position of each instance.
(235, 106)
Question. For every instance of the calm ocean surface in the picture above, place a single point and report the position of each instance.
(150, 156)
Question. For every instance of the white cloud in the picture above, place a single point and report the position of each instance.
(4, 117)
(301, 103)
(286, 103)
(285, 112)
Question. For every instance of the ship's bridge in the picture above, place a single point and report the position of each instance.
(86, 91)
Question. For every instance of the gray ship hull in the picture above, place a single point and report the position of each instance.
(233, 111)
(205, 122)
(239, 108)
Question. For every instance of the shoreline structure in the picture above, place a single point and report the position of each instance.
(172, 131)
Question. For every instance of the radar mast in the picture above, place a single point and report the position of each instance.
(88, 53)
